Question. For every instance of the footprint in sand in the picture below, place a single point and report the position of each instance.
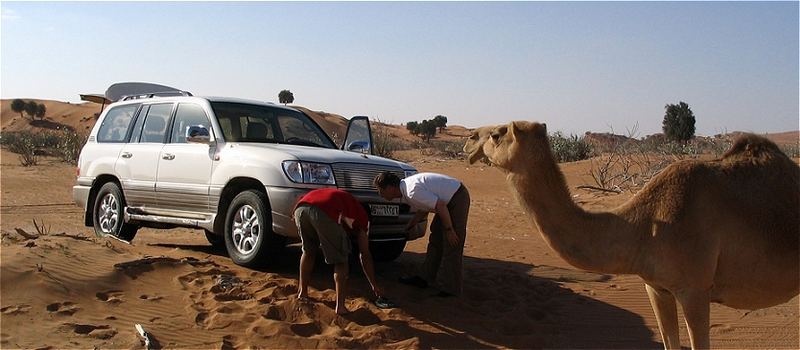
(15, 309)
(98, 332)
(150, 297)
(306, 329)
(66, 308)
(111, 296)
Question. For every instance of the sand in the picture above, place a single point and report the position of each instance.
(67, 288)
(63, 287)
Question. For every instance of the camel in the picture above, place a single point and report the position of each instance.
(725, 231)
(473, 147)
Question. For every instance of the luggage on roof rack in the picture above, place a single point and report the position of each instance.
(135, 90)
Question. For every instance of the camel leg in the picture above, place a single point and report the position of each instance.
(663, 303)
(696, 310)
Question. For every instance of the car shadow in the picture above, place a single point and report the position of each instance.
(505, 304)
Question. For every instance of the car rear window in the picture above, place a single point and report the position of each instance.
(116, 124)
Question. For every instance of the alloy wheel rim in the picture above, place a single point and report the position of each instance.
(246, 229)
(108, 215)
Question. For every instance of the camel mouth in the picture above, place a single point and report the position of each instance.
(475, 156)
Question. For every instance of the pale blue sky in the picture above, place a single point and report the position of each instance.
(577, 66)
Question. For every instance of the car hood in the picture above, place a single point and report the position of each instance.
(318, 155)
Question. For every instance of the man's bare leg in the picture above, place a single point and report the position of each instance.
(340, 277)
(306, 267)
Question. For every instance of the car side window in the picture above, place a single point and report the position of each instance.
(155, 124)
(187, 115)
(116, 123)
(137, 127)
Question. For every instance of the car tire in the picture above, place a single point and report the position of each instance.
(249, 238)
(386, 250)
(108, 214)
(216, 241)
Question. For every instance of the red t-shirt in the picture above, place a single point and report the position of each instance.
(337, 204)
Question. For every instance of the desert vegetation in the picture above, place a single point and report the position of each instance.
(65, 144)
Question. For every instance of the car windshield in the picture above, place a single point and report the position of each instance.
(242, 122)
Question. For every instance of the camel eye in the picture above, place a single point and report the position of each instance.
(499, 132)
(474, 136)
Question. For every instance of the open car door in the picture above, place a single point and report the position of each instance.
(359, 136)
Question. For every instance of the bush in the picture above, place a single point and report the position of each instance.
(23, 144)
(569, 149)
(69, 146)
(64, 144)
(384, 142)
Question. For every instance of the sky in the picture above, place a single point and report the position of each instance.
(577, 66)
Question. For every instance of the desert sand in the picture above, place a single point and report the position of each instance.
(67, 288)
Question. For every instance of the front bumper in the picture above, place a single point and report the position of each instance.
(282, 201)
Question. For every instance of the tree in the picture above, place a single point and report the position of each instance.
(41, 110)
(441, 122)
(18, 106)
(285, 96)
(427, 129)
(30, 108)
(678, 122)
(413, 127)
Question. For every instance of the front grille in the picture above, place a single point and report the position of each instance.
(358, 177)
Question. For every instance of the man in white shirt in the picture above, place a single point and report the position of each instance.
(449, 200)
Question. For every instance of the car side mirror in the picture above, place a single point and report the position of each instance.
(359, 146)
(198, 134)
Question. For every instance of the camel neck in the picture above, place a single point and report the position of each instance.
(590, 241)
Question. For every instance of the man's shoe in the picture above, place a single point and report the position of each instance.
(415, 281)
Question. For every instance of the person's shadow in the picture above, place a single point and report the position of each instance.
(505, 304)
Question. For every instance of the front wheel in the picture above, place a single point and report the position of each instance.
(248, 231)
(108, 214)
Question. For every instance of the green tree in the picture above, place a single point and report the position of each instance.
(413, 127)
(41, 110)
(18, 106)
(30, 108)
(678, 122)
(441, 122)
(285, 96)
(427, 129)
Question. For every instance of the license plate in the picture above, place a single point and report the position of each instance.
(384, 210)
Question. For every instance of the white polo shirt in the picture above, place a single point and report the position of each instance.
(422, 191)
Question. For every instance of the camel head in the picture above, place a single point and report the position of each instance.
(474, 145)
(517, 143)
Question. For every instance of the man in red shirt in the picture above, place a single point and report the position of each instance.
(327, 218)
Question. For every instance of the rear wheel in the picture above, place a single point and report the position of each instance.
(386, 250)
(109, 212)
(249, 239)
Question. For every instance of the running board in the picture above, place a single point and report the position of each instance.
(205, 224)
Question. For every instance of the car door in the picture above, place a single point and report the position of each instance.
(184, 169)
(137, 164)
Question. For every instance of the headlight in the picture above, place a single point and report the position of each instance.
(309, 173)
(409, 172)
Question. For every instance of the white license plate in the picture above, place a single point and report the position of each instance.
(384, 210)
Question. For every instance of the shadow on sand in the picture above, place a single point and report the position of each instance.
(505, 304)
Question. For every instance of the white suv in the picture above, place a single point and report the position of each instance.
(232, 167)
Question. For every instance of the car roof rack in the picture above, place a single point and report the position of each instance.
(156, 94)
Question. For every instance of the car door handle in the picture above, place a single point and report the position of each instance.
(168, 156)
(127, 154)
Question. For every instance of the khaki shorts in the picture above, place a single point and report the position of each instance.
(317, 230)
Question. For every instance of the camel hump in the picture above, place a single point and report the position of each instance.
(753, 146)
